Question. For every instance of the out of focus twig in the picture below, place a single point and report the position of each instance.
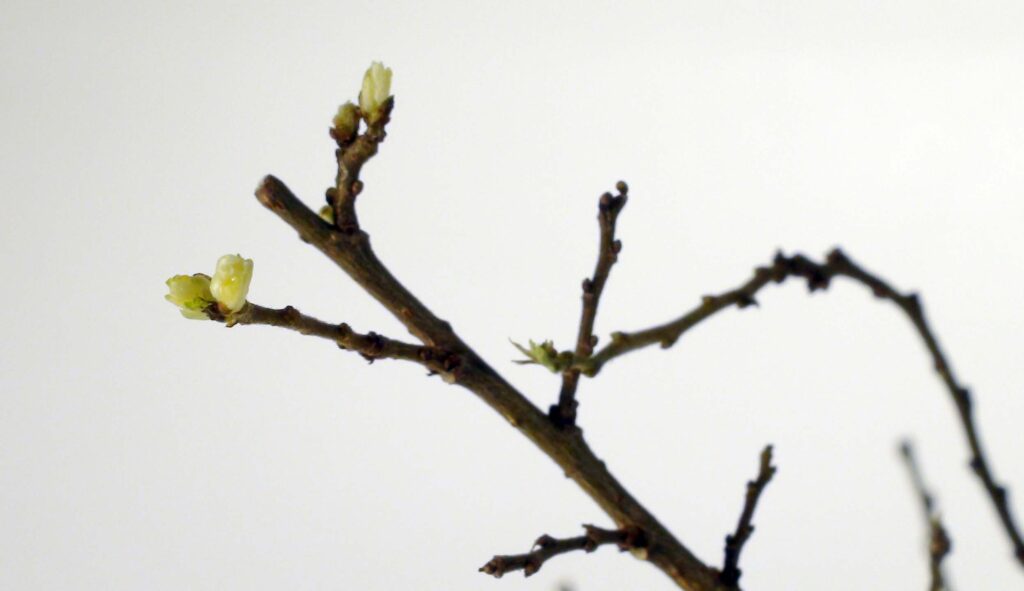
(939, 544)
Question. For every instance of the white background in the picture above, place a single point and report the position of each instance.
(139, 450)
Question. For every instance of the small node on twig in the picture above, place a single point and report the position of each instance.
(563, 416)
(543, 541)
(963, 399)
(836, 258)
(494, 567)
(745, 300)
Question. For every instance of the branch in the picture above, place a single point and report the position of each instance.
(547, 547)
(351, 251)
(667, 334)
(608, 208)
(352, 154)
(371, 346)
(911, 306)
(819, 276)
(939, 544)
(734, 542)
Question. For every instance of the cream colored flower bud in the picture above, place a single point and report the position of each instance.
(376, 90)
(346, 121)
(230, 283)
(191, 294)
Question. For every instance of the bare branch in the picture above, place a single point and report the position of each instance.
(667, 334)
(734, 542)
(338, 235)
(911, 306)
(371, 346)
(608, 208)
(819, 276)
(351, 251)
(547, 547)
(939, 544)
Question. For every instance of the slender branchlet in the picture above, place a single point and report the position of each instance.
(608, 208)
(371, 346)
(354, 148)
(547, 547)
(734, 542)
(939, 543)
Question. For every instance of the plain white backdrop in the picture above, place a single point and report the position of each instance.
(139, 450)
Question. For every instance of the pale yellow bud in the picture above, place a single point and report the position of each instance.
(346, 121)
(191, 294)
(376, 90)
(230, 283)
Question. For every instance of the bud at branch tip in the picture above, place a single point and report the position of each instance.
(228, 288)
(375, 92)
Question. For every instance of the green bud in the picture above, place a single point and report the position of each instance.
(546, 355)
(346, 122)
(326, 213)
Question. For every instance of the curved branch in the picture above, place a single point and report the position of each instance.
(547, 547)
(667, 334)
(819, 276)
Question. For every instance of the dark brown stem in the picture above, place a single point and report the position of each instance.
(741, 297)
(371, 346)
(352, 154)
(547, 547)
(819, 276)
(911, 306)
(735, 541)
(352, 252)
(939, 544)
(608, 208)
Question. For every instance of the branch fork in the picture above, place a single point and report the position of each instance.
(563, 414)
(442, 351)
